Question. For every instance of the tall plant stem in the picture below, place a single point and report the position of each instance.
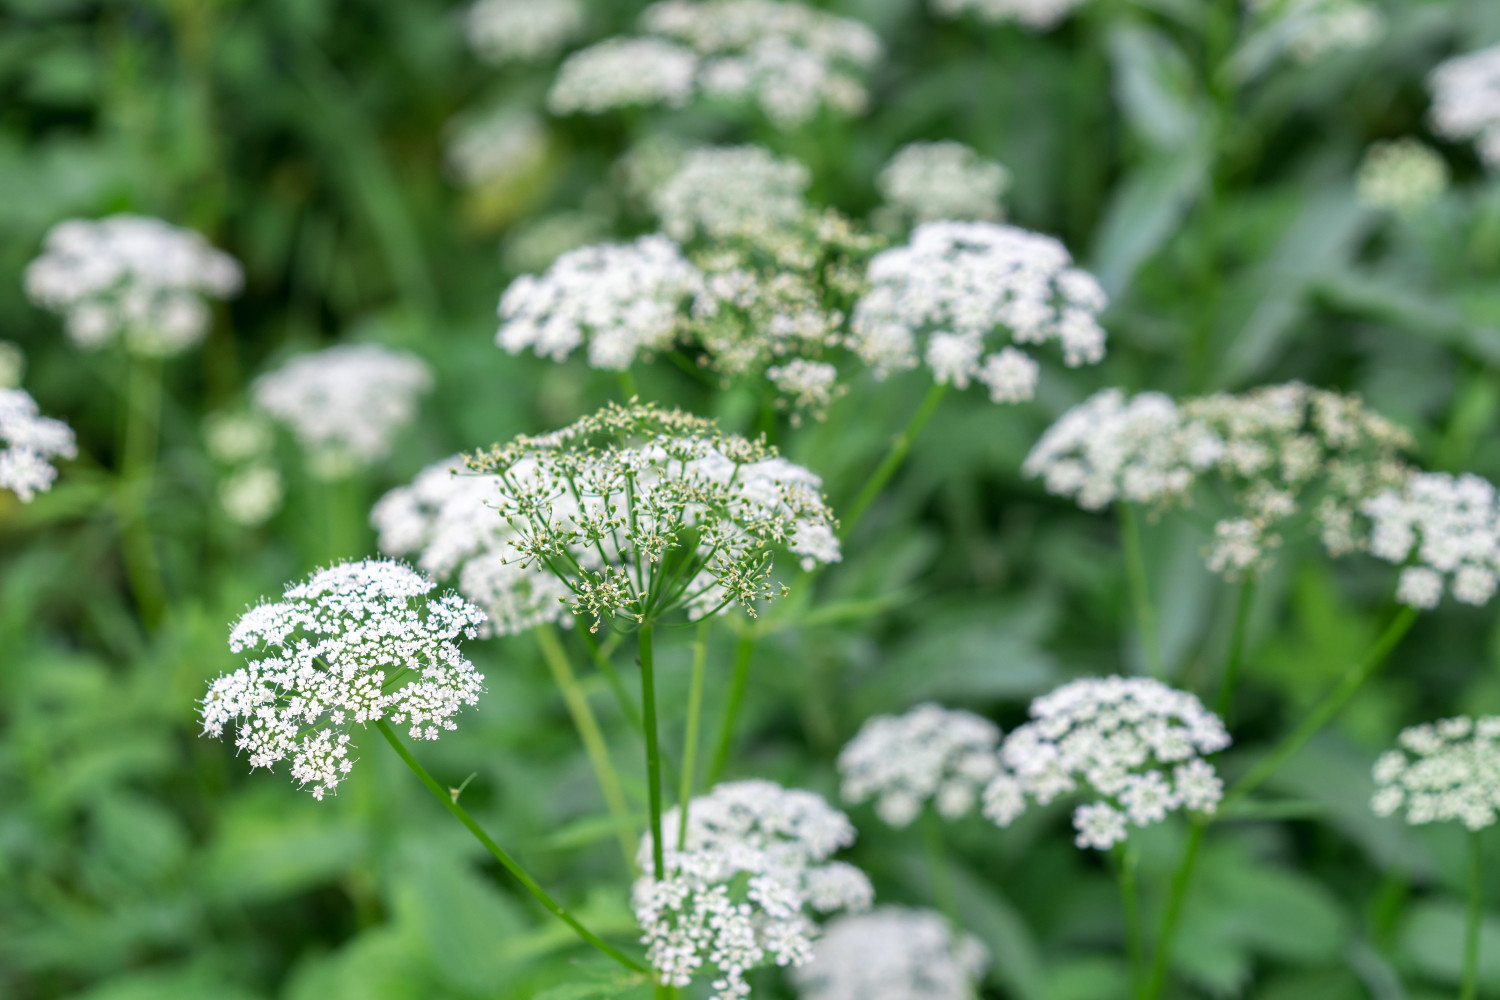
(1236, 649)
(612, 678)
(1125, 865)
(690, 736)
(653, 750)
(592, 737)
(1157, 978)
(627, 385)
(894, 456)
(1472, 920)
(138, 450)
(1140, 588)
(450, 802)
(739, 679)
(939, 870)
(341, 512)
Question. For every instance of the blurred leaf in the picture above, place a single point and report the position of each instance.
(1432, 936)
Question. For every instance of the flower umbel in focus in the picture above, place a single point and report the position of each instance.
(1466, 102)
(931, 181)
(29, 444)
(1403, 176)
(892, 953)
(1133, 746)
(351, 645)
(642, 512)
(137, 280)
(929, 754)
(741, 889)
(518, 31)
(1452, 526)
(1443, 771)
(345, 404)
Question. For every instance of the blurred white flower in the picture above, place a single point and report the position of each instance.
(514, 31)
(251, 495)
(1443, 771)
(1466, 102)
(29, 444)
(808, 386)
(731, 191)
(932, 181)
(1134, 746)
(235, 436)
(12, 365)
(892, 953)
(1033, 15)
(968, 288)
(930, 754)
(1402, 175)
(344, 404)
(620, 72)
(1452, 526)
(353, 644)
(500, 147)
(1311, 28)
(741, 889)
(134, 279)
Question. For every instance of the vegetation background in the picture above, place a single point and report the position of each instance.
(1212, 193)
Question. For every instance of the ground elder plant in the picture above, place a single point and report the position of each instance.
(929, 755)
(1444, 531)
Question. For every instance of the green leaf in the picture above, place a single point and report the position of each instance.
(1432, 936)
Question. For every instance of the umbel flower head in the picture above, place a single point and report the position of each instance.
(1133, 746)
(960, 297)
(740, 890)
(1272, 452)
(1033, 15)
(642, 512)
(1452, 527)
(892, 953)
(931, 181)
(929, 754)
(621, 73)
(1466, 102)
(29, 443)
(520, 31)
(725, 191)
(449, 519)
(345, 404)
(1443, 771)
(352, 644)
(1402, 176)
(498, 148)
(133, 279)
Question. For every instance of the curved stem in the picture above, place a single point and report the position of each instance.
(1140, 588)
(593, 739)
(1236, 649)
(653, 751)
(1125, 867)
(939, 871)
(1157, 977)
(690, 737)
(743, 653)
(450, 802)
(138, 450)
(900, 445)
(1473, 920)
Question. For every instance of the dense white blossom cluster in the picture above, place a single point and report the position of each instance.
(1401, 176)
(514, 31)
(250, 489)
(931, 181)
(1452, 526)
(956, 294)
(1034, 15)
(1466, 102)
(12, 365)
(929, 754)
(1443, 771)
(345, 404)
(29, 444)
(1310, 28)
(449, 518)
(1276, 451)
(1134, 746)
(892, 953)
(731, 191)
(137, 280)
(740, 890)
(622, 299)
(642, 511)
(501, 147)
(621, 72)
(352, 644)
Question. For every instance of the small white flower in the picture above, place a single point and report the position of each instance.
(1402, 176)
(811, 386)
(1466, 101)
(620, 72)
(235, 436)
(930, 181)
(929, 754)
(1452, 527)
(251, 495)
(1444, 771)
(513, 31)
(731, 191)
(892, 953)
(29, 444)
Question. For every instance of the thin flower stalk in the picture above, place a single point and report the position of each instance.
(1140, 590)
(138, 452)
(940, 869)
(894, 456)
(1126, 861)
(653, 748)
(1243, 603)
(734, 698)
(690, 736)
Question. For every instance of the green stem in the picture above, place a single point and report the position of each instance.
(939, 871)
(339, 507)
(1325, 710)
(1473, 919)
(1125, 865)
(450, 802)
(1180, 881)
(900, 445)
(627, 385)
(138, 451)
(593, 739)
(690, 737)
(743, 654)
(1140, 589)
(611, 676)
(1236, 648)
(653, 751)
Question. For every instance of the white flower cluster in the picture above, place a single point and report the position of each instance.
(737, 891)
(353, 644)
(344, 404)
(957, 288)
(29, 443)
(499, 148)
(516, 31)
(1401, 176)
(892, 953)
(807, 386)
(1452, 525)
(621, 72)
(250, 488)
(931, 181)
(1033, 15)
(1133, 745)
(622, 298)
(134, 279)
(1278, 450)
(1312, 28)
(1443, 771)
(642, 512)
(731, 191)
(929, 754)
(1466, 101)
(449, 518)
